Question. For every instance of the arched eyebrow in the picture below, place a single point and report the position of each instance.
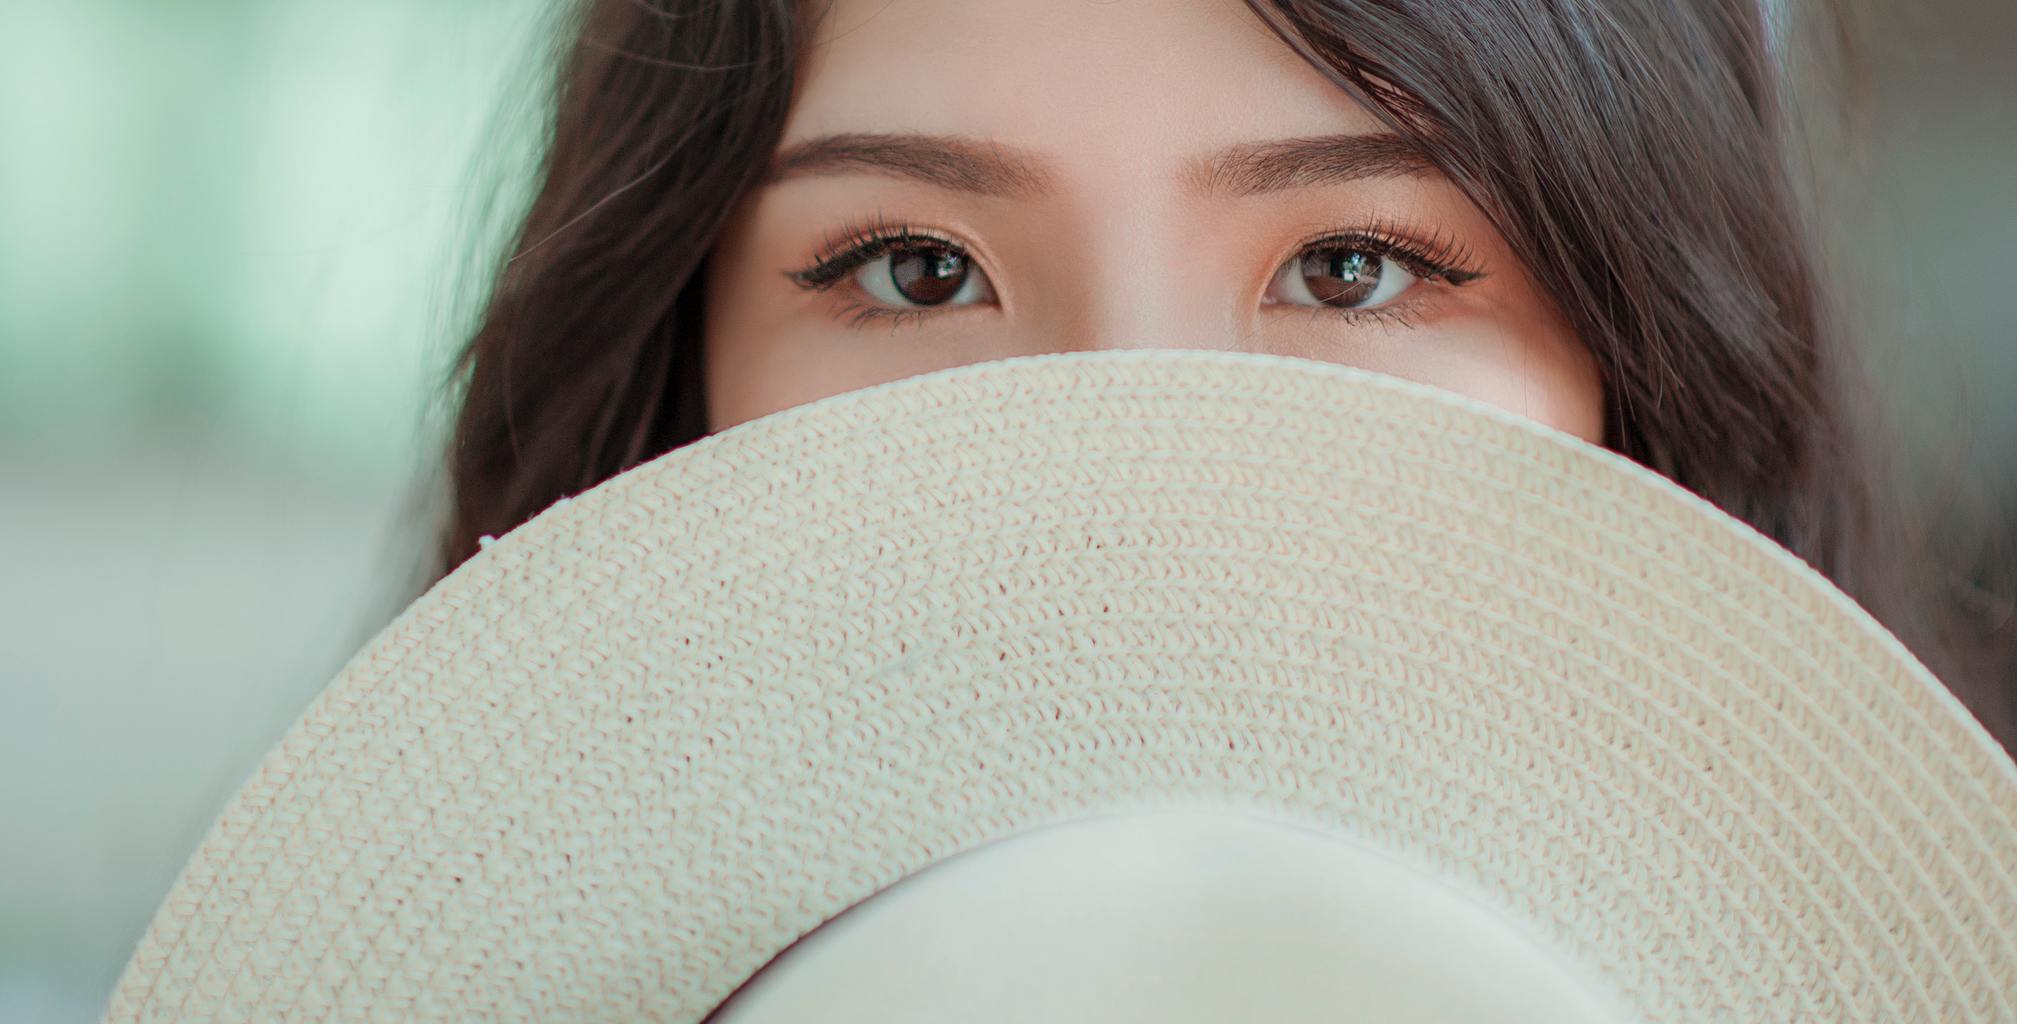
(995, 169)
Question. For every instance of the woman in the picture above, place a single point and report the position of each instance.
(1577, 210)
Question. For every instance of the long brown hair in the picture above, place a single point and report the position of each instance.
(1637, 154)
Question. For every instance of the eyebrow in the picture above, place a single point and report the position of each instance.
(981, 167)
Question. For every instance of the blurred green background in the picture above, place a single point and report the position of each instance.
(232, 238)
(235, 241)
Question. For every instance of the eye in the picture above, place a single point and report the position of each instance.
(914, 275)
(903, 274)
(906, 273)
(1341, 277)
(1367, 272)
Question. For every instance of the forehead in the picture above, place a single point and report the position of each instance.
(1085, 80)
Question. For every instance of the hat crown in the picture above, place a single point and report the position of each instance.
(1172, 917)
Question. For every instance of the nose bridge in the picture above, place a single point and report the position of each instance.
(1135, 282)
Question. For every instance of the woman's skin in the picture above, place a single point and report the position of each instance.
(1097, 209)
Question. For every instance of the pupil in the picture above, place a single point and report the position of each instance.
(928, 276)
(1342, 277)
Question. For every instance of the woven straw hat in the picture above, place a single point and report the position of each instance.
(613, 765)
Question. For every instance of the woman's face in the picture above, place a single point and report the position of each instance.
(961, 182)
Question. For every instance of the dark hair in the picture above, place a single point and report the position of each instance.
(1638, 154)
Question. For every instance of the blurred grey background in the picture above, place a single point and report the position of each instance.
(234, 241)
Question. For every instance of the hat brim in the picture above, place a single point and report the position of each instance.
(616, 762)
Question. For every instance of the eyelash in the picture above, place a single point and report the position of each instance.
(1437, 259)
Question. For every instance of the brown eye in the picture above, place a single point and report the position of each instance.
(924, 275)
(1340, 277)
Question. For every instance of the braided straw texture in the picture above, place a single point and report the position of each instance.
(612, 765)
